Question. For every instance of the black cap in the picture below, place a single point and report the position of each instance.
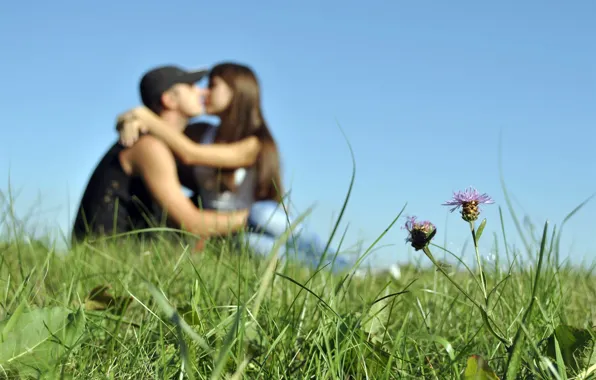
(157, 81)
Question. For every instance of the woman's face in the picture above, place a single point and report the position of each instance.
(218, 97)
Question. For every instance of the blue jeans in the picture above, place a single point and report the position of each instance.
(268, 221)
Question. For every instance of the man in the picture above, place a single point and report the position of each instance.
(132, 185)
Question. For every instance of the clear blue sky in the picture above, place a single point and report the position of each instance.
(422, 90)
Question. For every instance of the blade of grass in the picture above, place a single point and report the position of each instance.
(515, 353)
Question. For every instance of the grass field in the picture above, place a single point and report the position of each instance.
(245, 317)
(131, 310)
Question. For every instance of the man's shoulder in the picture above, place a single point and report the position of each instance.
(149, 141)
(148, 147)
(148, 157)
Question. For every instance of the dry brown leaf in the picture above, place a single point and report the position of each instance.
(100, 299)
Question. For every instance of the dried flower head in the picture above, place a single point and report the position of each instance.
(420, 233)
(469, 200)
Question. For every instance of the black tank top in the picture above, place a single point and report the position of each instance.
(113, 201)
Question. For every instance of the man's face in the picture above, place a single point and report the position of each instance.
(185, 98)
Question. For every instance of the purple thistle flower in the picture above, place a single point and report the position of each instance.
(469, 200)
(420, 233)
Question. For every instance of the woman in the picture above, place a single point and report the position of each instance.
(234, 96)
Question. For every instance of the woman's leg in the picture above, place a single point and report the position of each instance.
(270, 218)
(263, 244)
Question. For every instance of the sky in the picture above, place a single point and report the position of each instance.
(427, 94)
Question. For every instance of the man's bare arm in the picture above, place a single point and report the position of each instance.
(154, 162)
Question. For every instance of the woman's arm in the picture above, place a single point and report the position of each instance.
(233, 155)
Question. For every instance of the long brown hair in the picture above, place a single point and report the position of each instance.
(244, 118)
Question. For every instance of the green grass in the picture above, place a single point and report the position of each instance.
(308, 325)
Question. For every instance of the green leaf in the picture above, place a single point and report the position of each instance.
(8, 325)
(37, 340)
(574, 344)
(478, 369)
(376, 317)
(480, 230)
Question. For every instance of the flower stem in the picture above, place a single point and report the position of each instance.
(483, 310)
(482, 279)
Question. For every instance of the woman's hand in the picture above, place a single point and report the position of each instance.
(132, 123)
